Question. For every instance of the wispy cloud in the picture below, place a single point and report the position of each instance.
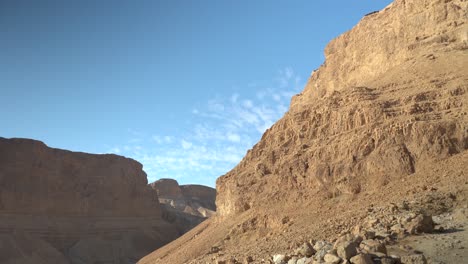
(224, 129)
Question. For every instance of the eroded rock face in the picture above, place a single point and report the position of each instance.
(185, 205)
(66, 199)
(391, 96)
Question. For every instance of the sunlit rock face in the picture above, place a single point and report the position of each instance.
(390, 97)
(75, 206)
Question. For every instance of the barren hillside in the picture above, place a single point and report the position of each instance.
(384, 119)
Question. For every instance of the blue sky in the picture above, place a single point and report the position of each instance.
(184, 87)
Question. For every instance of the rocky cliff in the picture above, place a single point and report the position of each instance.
(384, 119)
(391, 96)
(76, 206)
(185, 205)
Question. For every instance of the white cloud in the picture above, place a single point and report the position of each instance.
(185, 144)
(233, 137)
(247, 103)
(224, 129)
(234, 98)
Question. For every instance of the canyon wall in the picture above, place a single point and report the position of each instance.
(390, 98)
(82, 207)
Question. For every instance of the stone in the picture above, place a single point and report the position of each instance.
(414, 259)
(304, 261)
(293, 260)
(321, 244)
(387, 260)
(279, 259)
(305, 250)
(332, 259)
(362, 259)
(214, 250)
(370, 246)
(420, 224)
(346, 250)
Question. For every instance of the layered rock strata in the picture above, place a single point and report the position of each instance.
(391, 96)
(80, 207)
(185, 205)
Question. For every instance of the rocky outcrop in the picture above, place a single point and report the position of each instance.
(88, 207)
(391, 97)
(185, 205)
(384, 119)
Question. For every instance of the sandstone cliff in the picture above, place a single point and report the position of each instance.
(185, 205)
(384, 119)
(88, 207)
(391, 96)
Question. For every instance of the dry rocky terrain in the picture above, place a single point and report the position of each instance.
(369, 163)
(58, 206)
(185, 205)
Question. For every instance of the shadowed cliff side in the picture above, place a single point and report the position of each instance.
(185, 205)
(85, 208)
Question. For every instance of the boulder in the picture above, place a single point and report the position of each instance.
(362, 259)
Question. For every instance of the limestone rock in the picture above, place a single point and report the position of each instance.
(332, 259)
(305, 250)
(185, 205)
(78, 204)
(346, 250)
(280, 259)
(361, 259)
(377, 109)
(373, 246)
(420, 224)
(304, 261)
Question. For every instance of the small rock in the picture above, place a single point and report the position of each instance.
(373, 246)
(279, 259)
(304, 261)
(414, 259)
(305, 250)
(361, 259)
(346, 250)
(387, 260)
(324, 249)
(420, 224)
(332, 259)
(293, 260)
(214, 250)
(321, 244)
(248, 259)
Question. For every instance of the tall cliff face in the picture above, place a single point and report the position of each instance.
(391, 96)
(89, 207)
(404, 30)
(40, 180)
